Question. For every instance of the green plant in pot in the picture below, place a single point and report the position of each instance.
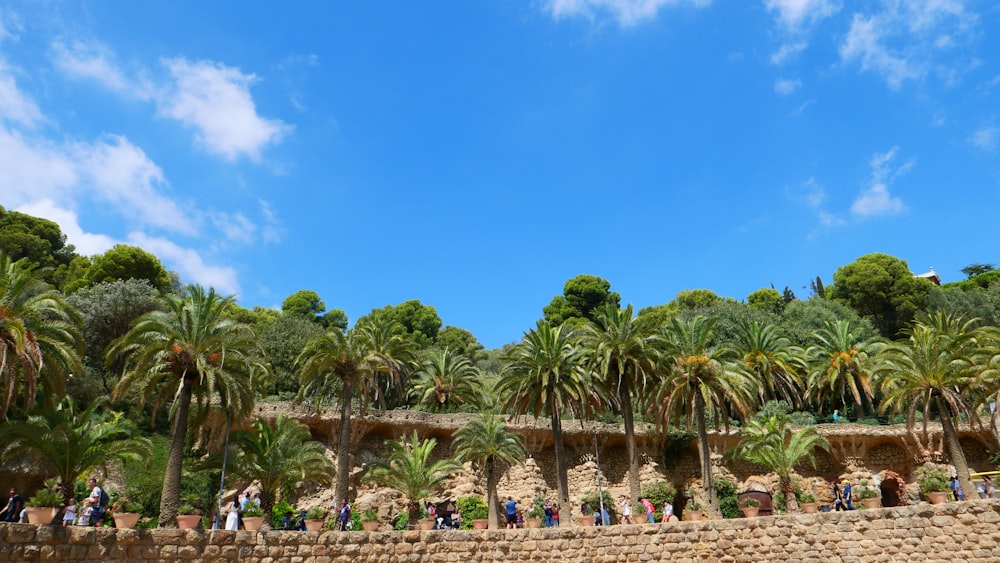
(692, 504)
(866, 491)
(750, 502)
(370, 515)
(807, 498)
(253, 510)
(187, 510)
(472, 508)
(933, 483)
(315, 513)
(47, 497)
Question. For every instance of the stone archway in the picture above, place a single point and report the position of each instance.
(893, 489)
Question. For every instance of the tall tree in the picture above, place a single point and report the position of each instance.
(973, 270)
(279, 456)
(545, 376)
(124, 262)
(408, 468)
(774, 445)
(40, 342)
(188, 351)
(935, 370)
(446, 381)
(420, 322)
(40, 241)
(840, 365)
(583, 299)
(352, 362)
(623, 350)
(774, 362)
(486, 442)
(881, 287)
(282, 341)
(74, 442)
(699, 377)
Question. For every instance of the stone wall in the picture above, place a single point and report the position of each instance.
(967, 531)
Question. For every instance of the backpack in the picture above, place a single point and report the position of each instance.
(104, 500)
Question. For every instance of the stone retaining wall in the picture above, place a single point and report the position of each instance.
(968, 531)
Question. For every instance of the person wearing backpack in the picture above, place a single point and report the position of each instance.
(99, 500)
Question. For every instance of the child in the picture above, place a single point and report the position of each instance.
(85, 514)
(69, 514)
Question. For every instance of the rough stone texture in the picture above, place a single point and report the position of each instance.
(964, 531)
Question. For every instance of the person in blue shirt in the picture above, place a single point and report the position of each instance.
(510, 508)
(956, 488)
(836, 416)
(848, 496)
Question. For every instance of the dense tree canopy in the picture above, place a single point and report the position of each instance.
(306, 304)
(883, 289)
(124, 262)
(38, 240)
(421, 322)
(583, 297)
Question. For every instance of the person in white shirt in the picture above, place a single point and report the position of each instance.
(668, 511)
(626, 510)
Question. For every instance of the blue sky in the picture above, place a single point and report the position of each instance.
(476, 155)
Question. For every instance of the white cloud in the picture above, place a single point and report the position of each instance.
(787, 52)
(786, 86)
(986, 138)
(86, 243)
(215, 99)
(876, 199)
(14, 105)
(794, 13)
(95, 61)
(626, 12)
(10, 26)
(272, 225)
(905, 39)
(188, 262)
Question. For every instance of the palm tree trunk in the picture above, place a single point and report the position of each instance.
(267, 495)
(562, 473)
(413, 515)
(791, 501)
(170, 496)
(492, 501)
(955, 451)
(704, 453)
(634, 484)
(344, 442)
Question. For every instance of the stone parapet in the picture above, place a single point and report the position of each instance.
(967, 531)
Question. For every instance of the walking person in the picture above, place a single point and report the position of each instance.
(510, 509)
(12, 512)
(99, 500)
(626, 510)
(344, 515)
(650, 509)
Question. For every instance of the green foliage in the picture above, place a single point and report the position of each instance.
(973, 270)
(48, 496)
(315, 513)
(782, 408)
(694, 299)
(660, 492)
(767, 299)
(537, 508)
(583, 297)
(807, 497)
(278, 512)
(983, 304)
(304, 304)
(472, 508)
(772, 444)
(282, 341)
(420, 322)
(401, 521)
(461, 342)
(370, 515)
(728, 499)
(750, 501)
(37, 240)
(984, 280)
(253, 510)
(124, 262)
(727, 317)
(593, 500)
(881, 287)
(931, 479)
(447, 382)
(801, 319)
(866, 490)
(692, 503)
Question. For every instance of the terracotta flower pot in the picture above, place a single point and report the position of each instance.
(253, 523)
(532, 522)
(480, 523)
(585, 520)
(126, 519)
(41, 514)
(370, 526)
(188, 521)
(314, 525)
(871, 502)
(750, 511)
(810, 507)
(937, 497)
(426, 524)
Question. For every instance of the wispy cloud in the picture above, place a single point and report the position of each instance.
(786, 86)
(215, 99)
(875, 199)
(189, 262)
(787, 52)
(14, 105)
(793, 14)
(626, 12)
(985, 138)
(86, 243)
(95, 61)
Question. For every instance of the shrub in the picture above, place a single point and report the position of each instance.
(729, 506)
(315, 513)
(866, 491)
(807, 497)
(370, 515)
(472, 508)
(278, 512)
(402, 520)
(658, 493)
(931, 479)
(593, 501)
(47, 497)
(537, 509)
(750, 501)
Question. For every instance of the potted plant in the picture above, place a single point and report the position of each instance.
(188, 516)
(592, 502)
(693, 507)
(750, 506)
(533, 516)
(314, 519)
(425, 522)
(127, 514)
(475, 513)
(933, 483)
(369, 520)
(807, 501)
(868, 495)
(42, 507)
(253, 516)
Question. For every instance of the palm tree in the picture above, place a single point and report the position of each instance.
(189, 351)
(407, 468)
(40, 342)
(699, 377)
(623, 349)
(353, 362)
(73, 442)
(839, 365)
(772, 359)
(278, 457)
(771, 443)
(446, 381)
(486, 442)
(545, 375)
(934, 369)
